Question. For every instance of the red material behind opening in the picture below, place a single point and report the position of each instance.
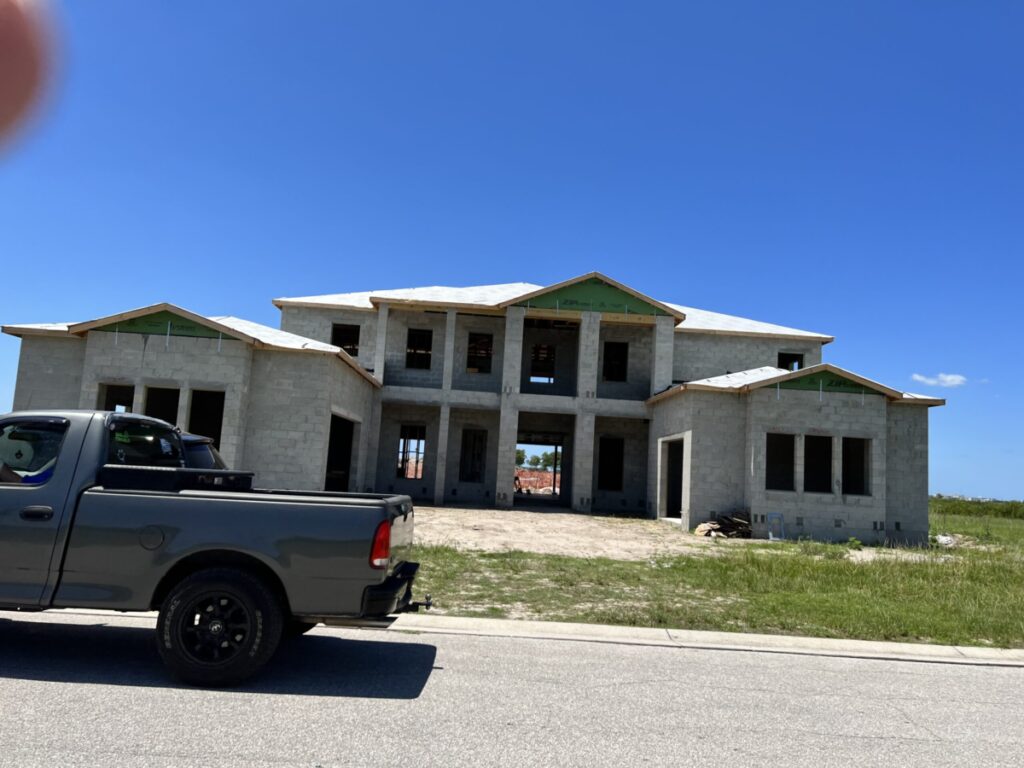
(380, 552)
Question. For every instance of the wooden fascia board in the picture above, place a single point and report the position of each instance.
(14, 330)
(757, 335)
(282, 303)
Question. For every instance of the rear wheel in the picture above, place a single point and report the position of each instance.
(219, 626)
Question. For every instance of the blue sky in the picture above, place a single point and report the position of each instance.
(855, 169)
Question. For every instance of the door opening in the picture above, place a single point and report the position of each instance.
(339, 455)
(674, 475)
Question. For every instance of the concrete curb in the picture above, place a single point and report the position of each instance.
(712, 641)
(432, 623)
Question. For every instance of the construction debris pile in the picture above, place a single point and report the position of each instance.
(725, 527)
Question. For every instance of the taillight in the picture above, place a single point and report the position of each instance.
(380, 552)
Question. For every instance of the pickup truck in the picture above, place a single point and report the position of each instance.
(98, 510)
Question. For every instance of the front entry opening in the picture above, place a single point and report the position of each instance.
(674, 477)
(539, 465)
(339, 455)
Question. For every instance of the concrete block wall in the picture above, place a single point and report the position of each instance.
(478, 382)
(289, 419)
(455, 490)
(566, 343)
(353, 397)
(49, 373)
(399, 323)
(834, 414)
(184, 363)
(671, 419)
(907, 478)
(393, 416)
(702, 355)
(713, 428)
(633, 496)
(637, 385)
(718, 449)
(316, 323)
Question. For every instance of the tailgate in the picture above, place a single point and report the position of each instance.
(402, 517)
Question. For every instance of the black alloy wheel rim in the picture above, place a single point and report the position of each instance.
(214, 628)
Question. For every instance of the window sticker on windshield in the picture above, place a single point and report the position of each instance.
(165, 446)
(122, 437)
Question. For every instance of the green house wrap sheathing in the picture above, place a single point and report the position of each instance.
(827, 382)
(164, 323)
(593, 295)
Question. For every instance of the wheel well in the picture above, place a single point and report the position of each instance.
(220, 558)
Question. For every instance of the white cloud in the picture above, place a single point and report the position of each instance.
(942, 380)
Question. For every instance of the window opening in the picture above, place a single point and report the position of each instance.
(779, 462)
(856, 466)
(791, 361)
(817, 464)
(417, 349)
(162, 403)
(610, 460)
(616, 361)
(480, 352)
(473, 458)
(347, 337)
(206, 414)
(542, 364)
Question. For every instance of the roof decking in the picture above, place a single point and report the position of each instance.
(824, 376)
(495, 298)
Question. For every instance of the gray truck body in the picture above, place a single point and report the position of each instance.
(71, 542)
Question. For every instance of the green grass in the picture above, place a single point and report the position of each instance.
(942, 505)
(971, 595)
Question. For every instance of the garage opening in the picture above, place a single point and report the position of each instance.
(339, 455)
(206, 414)
(162, 403)
(116, 397)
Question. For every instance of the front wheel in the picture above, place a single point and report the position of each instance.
(219, 626)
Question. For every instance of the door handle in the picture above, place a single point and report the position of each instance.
(37, 513)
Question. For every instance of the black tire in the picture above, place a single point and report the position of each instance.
(219, 626)
(298, 627)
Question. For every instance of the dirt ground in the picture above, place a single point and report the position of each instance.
(560, 533)
(579, 535)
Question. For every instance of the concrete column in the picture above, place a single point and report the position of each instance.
(583, 462)
(798, 463)
(441, 454)
(512, 363)
(184, 396)
(508, 434)
(380, 351)
(837, 465)
(588, 355)
(449, 350)
(139, 403)
(661, 353)
(372, 441)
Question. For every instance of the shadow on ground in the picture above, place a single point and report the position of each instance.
(313, 665)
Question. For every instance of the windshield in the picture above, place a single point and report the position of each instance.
(139, 444)
(203, 456)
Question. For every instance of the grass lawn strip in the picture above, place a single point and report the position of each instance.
(970, 595)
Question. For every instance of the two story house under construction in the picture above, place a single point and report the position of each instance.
(655, 409)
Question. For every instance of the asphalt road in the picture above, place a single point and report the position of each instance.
(74, 692)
